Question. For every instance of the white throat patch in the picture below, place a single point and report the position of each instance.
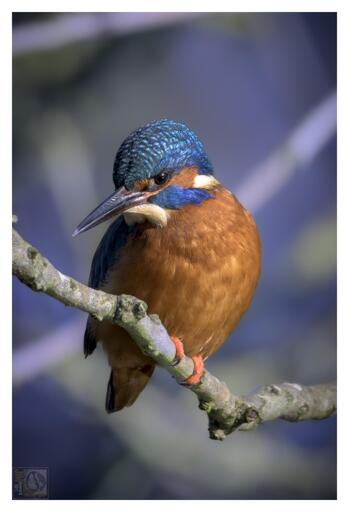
(150, 212)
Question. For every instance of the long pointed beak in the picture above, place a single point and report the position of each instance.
(117, 203)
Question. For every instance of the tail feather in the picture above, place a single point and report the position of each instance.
(90, 341)
(124, 386)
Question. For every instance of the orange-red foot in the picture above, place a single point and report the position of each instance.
(179, 350)
(199, 366)
(199, 369)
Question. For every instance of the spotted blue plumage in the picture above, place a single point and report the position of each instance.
(158, 145)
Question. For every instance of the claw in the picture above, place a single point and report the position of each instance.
(199, 368)
(179, 350)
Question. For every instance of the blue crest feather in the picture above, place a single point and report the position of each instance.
(158, 145)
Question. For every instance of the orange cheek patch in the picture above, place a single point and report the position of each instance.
(185, 178)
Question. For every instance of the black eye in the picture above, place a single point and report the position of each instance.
(161, 178)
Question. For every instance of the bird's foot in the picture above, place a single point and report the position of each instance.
(198, 362)
(179, 350)
(199, 369)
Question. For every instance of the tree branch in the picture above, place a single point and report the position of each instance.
(226, 412)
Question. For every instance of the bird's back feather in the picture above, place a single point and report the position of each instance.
(105, 256)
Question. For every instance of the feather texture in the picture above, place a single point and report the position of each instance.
(163, 144)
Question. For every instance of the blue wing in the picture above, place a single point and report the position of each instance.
(105, 256)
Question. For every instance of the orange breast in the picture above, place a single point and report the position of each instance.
(199, 274)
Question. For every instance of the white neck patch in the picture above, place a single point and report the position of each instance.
(206, 181)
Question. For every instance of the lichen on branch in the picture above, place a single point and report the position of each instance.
(226, 412)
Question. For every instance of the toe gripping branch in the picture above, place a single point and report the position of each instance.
(197, 361)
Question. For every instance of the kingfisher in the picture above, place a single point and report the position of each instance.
(181, 242)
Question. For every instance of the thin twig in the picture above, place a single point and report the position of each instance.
(226, 412)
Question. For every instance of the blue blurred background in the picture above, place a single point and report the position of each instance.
(259, 90)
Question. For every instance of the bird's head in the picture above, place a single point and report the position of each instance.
(158, 168)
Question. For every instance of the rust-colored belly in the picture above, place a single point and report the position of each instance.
(198, 274)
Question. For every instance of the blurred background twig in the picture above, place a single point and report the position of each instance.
(299, 149)
(66, 29)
